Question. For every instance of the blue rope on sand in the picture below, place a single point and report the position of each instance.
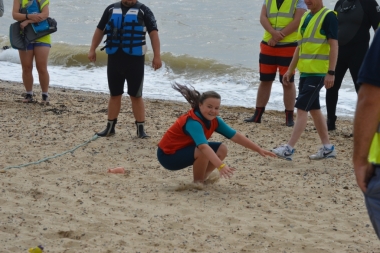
(55, 156)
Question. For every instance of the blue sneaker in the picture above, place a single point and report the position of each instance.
(284, 152)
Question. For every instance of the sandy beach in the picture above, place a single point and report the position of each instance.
(70, 203)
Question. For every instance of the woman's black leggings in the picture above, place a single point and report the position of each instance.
(349, 57)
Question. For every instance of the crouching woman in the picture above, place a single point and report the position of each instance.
(186, 142)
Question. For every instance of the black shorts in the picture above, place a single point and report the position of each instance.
(308, 93)
(122, 67)
(182, 158)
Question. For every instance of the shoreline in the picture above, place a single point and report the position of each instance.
(70, 203)
(36, 88)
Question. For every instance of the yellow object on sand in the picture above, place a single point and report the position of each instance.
(38, 249)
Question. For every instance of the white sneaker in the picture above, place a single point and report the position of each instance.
(284, 152)
(323, 153)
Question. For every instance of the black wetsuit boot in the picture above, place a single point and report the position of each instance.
(110, 129)
(140, 130)
(257, 116)
(289, 118)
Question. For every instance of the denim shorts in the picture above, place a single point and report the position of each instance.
(182, 158)
(308, 93)
(32, 45)
(372, 200)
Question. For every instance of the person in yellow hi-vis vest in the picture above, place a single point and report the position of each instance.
(366, 156)
(28, 12)
(280, 19)
(315, 58)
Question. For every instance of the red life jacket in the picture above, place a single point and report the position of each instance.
(175, 138)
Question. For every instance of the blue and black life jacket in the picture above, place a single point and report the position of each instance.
(126, 32)
(33, 7)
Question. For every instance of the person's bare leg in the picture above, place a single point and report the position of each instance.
(138, 108)
(200, 166)
(262, 98)
(26, 58)
(41, 54)
(320, 125)
(221, 153)
(299, 127)
(263, 93)
(289, 96)
(114, 105)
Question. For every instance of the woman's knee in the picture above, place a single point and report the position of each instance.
(222, 151)
(27, 68)
(42, 70)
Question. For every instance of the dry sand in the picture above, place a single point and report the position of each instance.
(71, 204)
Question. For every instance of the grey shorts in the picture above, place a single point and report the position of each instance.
(372, 200)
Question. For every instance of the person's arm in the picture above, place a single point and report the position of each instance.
(247, 143)
(16, 11)
(226, 171)
(330, 27)
(96, 40)
(366, 121)
(292, 67)
(333, 57)
(98, 34)
(293, 26)
(1, 8)
(155, 41)
(43, 15)
(276, 35)
(194, 129)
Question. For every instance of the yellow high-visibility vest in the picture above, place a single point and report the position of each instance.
(42, 4)
(314, 48)
(280, 18)
(374, 151)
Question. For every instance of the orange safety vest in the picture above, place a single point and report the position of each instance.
(175, 138)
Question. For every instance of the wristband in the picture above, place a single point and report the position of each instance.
(221, 166)
(26, 16)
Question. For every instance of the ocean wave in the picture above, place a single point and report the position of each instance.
(69, 55)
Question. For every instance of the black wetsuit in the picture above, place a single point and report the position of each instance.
(356, 17)
(122, 66)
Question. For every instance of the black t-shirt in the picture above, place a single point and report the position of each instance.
(348, 23)
(149, 20)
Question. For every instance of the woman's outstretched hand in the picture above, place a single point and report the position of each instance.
(266, 153)
(226, 172)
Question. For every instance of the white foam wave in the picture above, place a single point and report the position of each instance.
(237, 90)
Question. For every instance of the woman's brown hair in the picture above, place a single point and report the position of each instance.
(193, 96)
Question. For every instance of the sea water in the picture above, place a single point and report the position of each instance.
(211, 45)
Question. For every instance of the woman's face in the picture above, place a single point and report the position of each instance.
(210, 108)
